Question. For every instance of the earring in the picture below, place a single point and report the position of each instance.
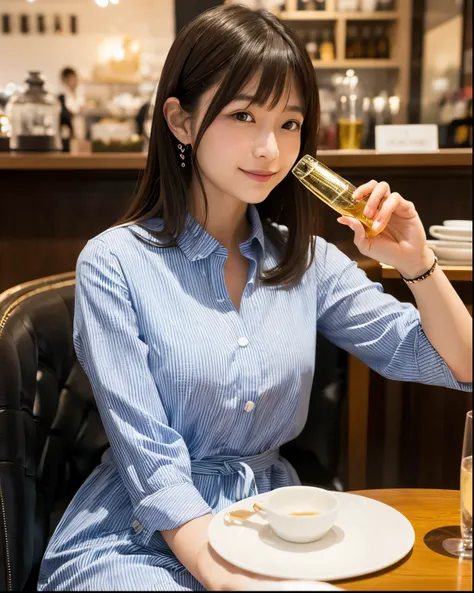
(181, 156)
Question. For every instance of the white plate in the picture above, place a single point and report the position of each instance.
(454, 262)
(452, 250)
(446, 233)
(367, 536)
(461, 224)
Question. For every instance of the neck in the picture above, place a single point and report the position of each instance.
(226, 218)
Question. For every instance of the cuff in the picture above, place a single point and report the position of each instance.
(433, 369)
(169, 508)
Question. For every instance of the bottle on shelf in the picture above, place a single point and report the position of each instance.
(307, 5)
(366, 41)
(58, 28)
(24, 24)
(40, 23)
(312, 45)
(326, 48)
(383, 42)
(351, 42)
(320, 4)
(6, 24)
(73, 24)
(357, 45)
(368, 119)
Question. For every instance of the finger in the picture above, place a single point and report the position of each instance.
(388, 208)
(357, 227)
(364, 190)
(380, 192)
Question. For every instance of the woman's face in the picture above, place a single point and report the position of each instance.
(248, 149)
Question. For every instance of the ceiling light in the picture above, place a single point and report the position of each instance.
(102, 3)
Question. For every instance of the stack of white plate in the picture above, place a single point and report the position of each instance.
(452, 242)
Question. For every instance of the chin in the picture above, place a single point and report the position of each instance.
(256, 198)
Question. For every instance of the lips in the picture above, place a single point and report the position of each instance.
(261, 176)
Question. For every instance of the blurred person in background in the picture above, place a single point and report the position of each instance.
(71, 100)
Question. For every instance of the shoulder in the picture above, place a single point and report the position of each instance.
(119, 248)
(122, 239)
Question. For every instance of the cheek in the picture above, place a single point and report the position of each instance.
(221, 145)
(289, 147)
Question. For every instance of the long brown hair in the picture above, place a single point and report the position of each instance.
(227, 46)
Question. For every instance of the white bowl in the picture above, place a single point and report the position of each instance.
(450, 233)
(461, 224)
(282, 503)
(450, 250)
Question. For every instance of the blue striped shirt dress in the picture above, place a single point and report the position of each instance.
(196, 398)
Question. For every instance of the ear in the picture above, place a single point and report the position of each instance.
(178, 120)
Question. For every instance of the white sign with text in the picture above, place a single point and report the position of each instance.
(406, 138)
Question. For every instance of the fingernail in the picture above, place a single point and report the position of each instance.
(367, 212)
(377, 224)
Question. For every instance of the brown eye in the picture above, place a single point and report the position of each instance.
(292, 126)
(243, 116)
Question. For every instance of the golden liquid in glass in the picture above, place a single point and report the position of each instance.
(466, 484)
(333, 190)
(349, 133)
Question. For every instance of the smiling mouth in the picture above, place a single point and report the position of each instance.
(260, 176)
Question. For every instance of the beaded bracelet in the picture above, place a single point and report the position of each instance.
(423, 276)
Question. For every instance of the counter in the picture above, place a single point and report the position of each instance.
(51, 204)
(332, 158)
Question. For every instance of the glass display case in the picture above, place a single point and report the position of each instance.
(34, 117)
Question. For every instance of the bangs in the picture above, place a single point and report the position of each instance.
(276, 69)
(278, 65)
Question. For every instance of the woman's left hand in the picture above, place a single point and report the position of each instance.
(402, 242)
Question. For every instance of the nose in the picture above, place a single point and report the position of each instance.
(266, 146)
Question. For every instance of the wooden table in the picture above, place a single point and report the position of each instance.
(434, 515)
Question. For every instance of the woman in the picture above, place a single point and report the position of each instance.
(196, 317)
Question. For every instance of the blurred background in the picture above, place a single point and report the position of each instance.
(382, 61)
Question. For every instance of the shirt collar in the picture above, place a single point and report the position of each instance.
(196, 243)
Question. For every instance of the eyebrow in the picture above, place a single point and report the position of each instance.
(250, 99)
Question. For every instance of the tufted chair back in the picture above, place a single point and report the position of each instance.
(51, 436)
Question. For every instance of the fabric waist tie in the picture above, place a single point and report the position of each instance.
(221, 465)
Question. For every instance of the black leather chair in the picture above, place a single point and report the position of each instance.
(51, 436)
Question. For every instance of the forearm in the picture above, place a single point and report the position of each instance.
(187, 541)
(445, 319)
(190, 545)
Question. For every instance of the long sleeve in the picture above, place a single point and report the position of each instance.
(152, 458)
(355, 314)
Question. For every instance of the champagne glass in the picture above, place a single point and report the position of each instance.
(333, 190)
(455, 546)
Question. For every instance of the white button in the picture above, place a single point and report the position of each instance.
(249, 406)
(243, 342)
(137, 526)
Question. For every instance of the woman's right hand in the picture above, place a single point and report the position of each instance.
(219, 575)
(216, 574)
